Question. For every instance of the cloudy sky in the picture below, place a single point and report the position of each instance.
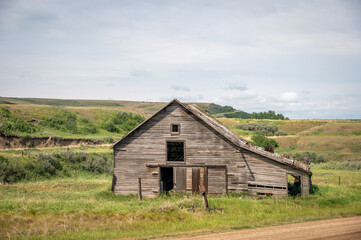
(300, 58)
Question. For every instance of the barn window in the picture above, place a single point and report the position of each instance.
(175, 128)
(175, 151)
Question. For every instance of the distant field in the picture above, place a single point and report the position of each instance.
(142, 107)
(337, 140)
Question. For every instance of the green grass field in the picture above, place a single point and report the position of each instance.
(64, 192)
(86, 209)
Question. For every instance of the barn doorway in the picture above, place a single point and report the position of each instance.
(166, 180)
(294, 187)
(196, 179)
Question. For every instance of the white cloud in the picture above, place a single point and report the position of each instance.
(151, 50)
(239, 86)
(180, 88)
(289, 97)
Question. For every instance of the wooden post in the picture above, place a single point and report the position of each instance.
(339, 180)
(203, 191)
(226, 172)
(35, 176)
(139, 189)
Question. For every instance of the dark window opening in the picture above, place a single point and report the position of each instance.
(294, 185)
(166, 179)
(263, 186)
(175, 151)
(175, 128)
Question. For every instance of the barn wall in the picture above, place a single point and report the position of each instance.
(203, 145)
(270, 177)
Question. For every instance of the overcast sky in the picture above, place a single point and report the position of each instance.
(299, 58)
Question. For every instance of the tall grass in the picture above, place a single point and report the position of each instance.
(35, 164)
(86, 209)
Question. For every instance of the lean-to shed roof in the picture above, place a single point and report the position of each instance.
(228, 134)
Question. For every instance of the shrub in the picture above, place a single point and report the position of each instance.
(268, 115)
(97, 164)
(85, 126)
(344, 165)
(53, 164)
(109, 140)
(262, 141)
(110, 126)
(10, 123)
(263, 129)
(11, 171)
(215, 108)
(62, 120)
(309, 157)
(238, 114)
(122, 122)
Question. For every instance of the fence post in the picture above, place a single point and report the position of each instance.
(139, 189)
(203, 191)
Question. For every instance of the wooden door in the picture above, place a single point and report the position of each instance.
(196, 179)
(217, 180)
(180, 178)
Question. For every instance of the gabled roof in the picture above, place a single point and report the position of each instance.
(227, 133)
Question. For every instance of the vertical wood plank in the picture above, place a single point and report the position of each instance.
(180, 179)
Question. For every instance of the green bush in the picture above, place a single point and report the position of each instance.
(62, 120)
(98, 164)
(263, 129)
(238, 114)
(262, 141)
(11, 171)
(122, 122)
(268, 115)
(86, 127)
(11, 123)
(53, 164)
(344, 165)
(309, 157)
(109, 140)
(215, 108)
(110, 126)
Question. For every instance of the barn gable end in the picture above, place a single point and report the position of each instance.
(213, 156)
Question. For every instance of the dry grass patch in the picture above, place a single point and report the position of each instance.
(340, 128)
(298, 126)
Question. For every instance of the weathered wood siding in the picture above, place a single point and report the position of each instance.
(203, 145)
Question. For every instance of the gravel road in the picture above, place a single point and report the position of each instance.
(341, 228)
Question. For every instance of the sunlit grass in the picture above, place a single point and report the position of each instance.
(87, 209)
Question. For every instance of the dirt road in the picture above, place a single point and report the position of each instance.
(342, 228)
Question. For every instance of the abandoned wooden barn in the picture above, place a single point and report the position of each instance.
(181, 147)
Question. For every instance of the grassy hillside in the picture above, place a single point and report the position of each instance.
(141, 107)
(336, 140)
(80, 122)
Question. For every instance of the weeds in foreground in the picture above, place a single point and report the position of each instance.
(87, 209)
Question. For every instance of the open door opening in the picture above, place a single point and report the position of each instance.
(166, 180)
(294, 185)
